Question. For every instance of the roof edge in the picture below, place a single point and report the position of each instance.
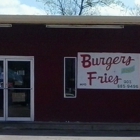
(68, 20)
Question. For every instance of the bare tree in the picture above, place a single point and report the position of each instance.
(135, 11)
(76, 7)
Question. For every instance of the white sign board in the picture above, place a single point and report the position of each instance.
(108, 71)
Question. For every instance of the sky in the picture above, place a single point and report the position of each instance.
(21, 7)
(32, 7)
(129, 2)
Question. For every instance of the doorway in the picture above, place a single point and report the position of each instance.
(16, 88)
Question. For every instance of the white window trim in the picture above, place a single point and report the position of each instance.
(75, 78)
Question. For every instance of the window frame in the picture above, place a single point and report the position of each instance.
(65, 96)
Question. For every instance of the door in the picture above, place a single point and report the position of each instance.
(17, 89)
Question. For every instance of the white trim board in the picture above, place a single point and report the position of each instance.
(69, 20)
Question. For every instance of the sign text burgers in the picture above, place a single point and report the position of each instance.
(108, 71)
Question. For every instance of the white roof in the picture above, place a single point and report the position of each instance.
(68, 20)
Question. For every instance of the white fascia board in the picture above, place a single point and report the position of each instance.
(69, 20)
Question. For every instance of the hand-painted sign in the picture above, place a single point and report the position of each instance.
(108, 71)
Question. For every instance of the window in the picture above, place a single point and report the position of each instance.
(70, 77)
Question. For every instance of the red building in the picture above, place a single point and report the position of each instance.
(39, 68)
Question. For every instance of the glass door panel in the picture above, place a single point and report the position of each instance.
(19, 88)
(18, 74)
(18, 103)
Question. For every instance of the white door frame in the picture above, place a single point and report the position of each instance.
(5, 60)
(4, 95)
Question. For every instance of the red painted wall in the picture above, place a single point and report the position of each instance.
(49, 47)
